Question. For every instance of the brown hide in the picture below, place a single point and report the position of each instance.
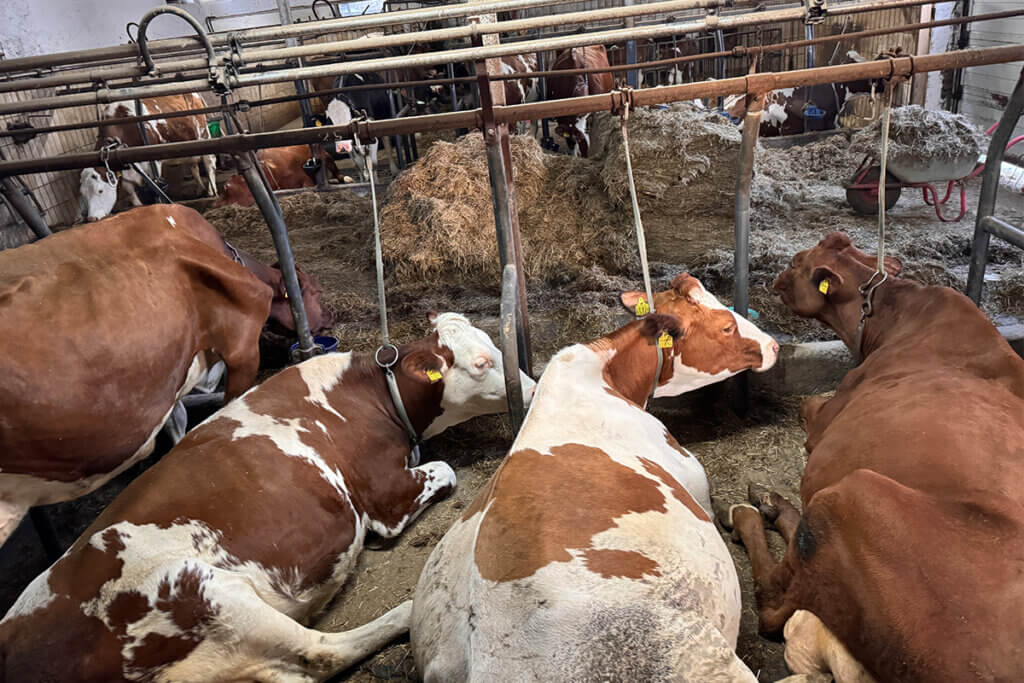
(266, 507)
(561, 87)
(108, 318)
(283, 168)
(911, 546)
(177, 129)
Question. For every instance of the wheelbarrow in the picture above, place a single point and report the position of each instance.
(862, 190)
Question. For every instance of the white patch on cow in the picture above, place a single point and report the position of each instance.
(96, 196)
(436, 476)
(475, 385)
(170, 220)
(692, 603)
(321, 374)
(812, 648)
(775, 115)
(110, 111)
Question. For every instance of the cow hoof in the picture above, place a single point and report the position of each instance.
(726, 517)
(763, 499)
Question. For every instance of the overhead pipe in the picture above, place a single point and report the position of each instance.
(104, 96)
(221, 39)
(753, 83)
(363, 43)
(541, 74)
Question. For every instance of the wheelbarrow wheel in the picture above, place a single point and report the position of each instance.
(865, 201)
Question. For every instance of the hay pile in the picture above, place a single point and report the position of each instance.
(786, 179)
(684, 160)
(920, 134)
(437, 223)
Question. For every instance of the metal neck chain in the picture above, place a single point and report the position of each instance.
(867, 290)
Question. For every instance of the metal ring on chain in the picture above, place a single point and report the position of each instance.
(376, 355)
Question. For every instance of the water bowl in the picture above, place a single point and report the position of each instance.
(330, 344)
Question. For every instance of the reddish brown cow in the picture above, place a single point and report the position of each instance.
(908, 561)
(204, 568)
(283, 167)
(97, 197)
(574, 128)
(129, 313)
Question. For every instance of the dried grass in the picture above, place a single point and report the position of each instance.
(920, 134)
(438, 222)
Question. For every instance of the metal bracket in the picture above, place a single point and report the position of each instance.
(815, 11)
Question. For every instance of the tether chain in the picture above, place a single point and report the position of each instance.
(641, 241)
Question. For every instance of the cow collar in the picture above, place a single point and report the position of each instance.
(657, 373)
(396, 398)
(867, 290)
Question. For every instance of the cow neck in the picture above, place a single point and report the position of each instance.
(628, 371)
(862, 333)
(421, 401)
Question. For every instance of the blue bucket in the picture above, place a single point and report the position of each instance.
(329, 343)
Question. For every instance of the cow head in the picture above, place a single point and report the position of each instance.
(574, 130)
(280, 320)
(715, 343)
(827, 277)
(467, 366)
(339, 111)
(96, 196)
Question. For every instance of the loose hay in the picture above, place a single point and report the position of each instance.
(920, 134)
(437, 223)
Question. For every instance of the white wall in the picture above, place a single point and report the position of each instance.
(35, 27)
(981, 82)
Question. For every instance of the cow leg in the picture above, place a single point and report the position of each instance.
(250, 640)
(421, 488)
(11, 515)
(770, 577)
(811, 648)
(776, 509)
(210, 164)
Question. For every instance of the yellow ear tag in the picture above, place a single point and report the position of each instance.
(823, 286)
(665, 341)
(642, 307)
(433, 376)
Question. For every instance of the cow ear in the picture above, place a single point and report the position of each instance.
(423, 366)
(631, 299)
(655, 324)
(826, 280)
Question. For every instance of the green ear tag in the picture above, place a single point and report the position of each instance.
(823, 286)
(642, 307)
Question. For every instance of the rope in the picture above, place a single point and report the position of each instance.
(377, 250)
(641, 241)
(882, 179)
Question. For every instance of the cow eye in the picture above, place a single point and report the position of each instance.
(729, 329)
(483, 362)
(100, 191)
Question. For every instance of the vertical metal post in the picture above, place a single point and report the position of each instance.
(720, 61)
(284, 11)
(506, 211)
(989, 188)
(15, 196)
(633, 75)
(248, 167)
(809, 35)
(741, 254)
(396, 144)
(510, 351)
(542, 90)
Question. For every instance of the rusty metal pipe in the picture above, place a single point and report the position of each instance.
(104, 96)
(396, 40)
(764, 82)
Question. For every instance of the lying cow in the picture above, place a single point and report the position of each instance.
(907, 563)
(126, 315)
(98, 196)
(204, 567)
(591, 554)
(574, 128)
(284, 169)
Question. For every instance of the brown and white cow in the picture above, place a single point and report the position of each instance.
(574, 128)
(204, 567)
(129, 313)
(591, 554)
(125, 316)
(283, 167)
(907, 563)
(98, 196)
